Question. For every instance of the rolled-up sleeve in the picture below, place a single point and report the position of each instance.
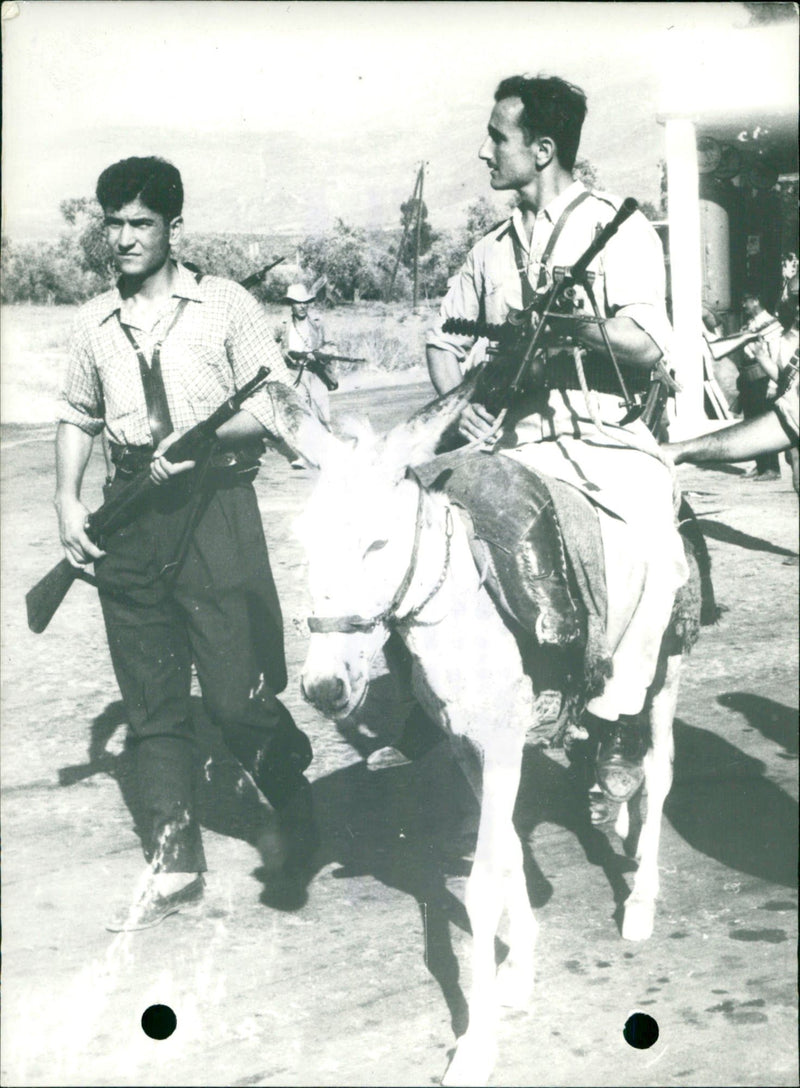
(251, 344)
(635, 281)
(81, 399)
(463, 300)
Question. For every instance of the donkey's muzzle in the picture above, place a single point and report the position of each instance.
(328, 693)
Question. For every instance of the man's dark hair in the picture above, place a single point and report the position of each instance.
(154, 181)
(753, 293)
(551, 107)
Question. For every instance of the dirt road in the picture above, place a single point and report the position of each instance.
(359, 984)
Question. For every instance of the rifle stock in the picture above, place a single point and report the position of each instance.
(44, 599)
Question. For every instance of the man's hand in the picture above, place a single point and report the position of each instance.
(161, 469)
(477, 424)
(78, 548)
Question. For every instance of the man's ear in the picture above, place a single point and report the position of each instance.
(175, 230)
(545, 151)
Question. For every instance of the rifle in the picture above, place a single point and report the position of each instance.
(317, 362)
(44, 598)
(256, 278)
(718, 349)
(519, 339)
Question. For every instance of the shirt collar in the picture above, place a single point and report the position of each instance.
(551, 211)
(186, 286)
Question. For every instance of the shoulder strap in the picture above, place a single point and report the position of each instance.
(528, 293)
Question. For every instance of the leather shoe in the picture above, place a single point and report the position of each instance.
(618, 763)
(383, 759)
(152, 909)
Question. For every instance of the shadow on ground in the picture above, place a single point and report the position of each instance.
(717, 530)
(412, 827)
(722, 804)
(773, 720)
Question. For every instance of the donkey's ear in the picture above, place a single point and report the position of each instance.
(415, 441)
(298, 432)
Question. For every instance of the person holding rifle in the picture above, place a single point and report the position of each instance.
(303, 338)
(188, 582)
(755, 380)
(577, 428)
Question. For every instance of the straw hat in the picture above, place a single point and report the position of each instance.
(297, 292)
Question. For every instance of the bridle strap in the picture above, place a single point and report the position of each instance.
(346, 625)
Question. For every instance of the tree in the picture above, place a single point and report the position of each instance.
(408, 221)
(85, 216)
(585, 172)
(481, 217)
(356, 266)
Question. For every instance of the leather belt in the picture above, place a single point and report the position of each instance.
(130, 460)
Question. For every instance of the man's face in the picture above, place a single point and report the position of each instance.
(790, 266)
(140, 238)
(300, 310)
(511, 161)
(751, 306)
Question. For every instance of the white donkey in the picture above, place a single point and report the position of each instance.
(385, 553)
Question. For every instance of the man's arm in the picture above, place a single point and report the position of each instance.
(631, 344)
(445, 373)
(73, 447)
(741, 442)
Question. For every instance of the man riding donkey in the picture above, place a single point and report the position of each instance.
(573, 423)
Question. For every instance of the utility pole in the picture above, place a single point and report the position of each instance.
(405, 236)
(419, 229)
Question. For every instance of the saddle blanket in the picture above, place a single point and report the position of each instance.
(539, 541)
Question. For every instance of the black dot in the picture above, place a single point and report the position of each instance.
(640, 1030)
(159, 1021)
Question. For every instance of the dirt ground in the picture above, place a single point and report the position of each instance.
(362, 982)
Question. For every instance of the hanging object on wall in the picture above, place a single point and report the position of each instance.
(730, 162)
(708, 154)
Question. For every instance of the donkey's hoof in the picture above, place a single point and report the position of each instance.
(638, 920)
(472, 1063)
(515, 985)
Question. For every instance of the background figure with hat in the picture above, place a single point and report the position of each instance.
(301, 338)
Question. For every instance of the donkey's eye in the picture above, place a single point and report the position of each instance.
(375, 546)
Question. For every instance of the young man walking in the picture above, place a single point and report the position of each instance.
(189, 581)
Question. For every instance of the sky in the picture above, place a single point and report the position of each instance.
(283, 116)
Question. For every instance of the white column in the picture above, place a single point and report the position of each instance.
(686, 273)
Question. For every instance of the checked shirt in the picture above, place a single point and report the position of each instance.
(216, 346)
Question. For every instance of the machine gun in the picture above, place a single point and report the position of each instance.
(252, 281)
(44, 598)
(318, 362)
(518, 363)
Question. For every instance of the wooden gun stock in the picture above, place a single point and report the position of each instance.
(42, 602)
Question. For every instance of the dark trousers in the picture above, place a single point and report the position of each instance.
(753, 400)
(220, 612)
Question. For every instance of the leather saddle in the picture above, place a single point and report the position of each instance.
(516, 541)
(547, 576)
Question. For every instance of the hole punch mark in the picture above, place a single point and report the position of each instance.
(640, 1031)
(159, 1021)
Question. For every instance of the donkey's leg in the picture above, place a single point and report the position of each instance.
(497, 855)
(516, 974)
(639, 911)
